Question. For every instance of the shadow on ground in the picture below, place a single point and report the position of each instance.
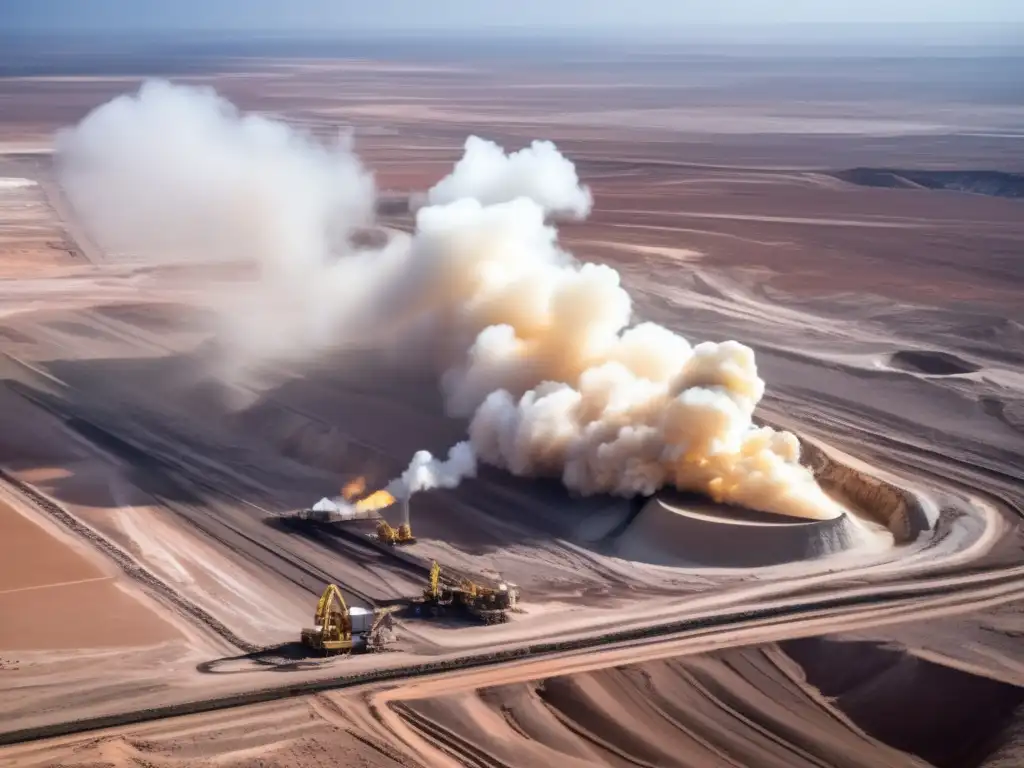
(952, 719)
(287, 657)
(184, 436)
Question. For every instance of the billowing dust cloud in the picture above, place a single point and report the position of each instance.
(178, 174)
(537, 350)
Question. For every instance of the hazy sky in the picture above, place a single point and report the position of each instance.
(465, 15)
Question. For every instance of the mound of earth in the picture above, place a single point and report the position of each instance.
(1010, 412)
(931, 362)
(685, 529)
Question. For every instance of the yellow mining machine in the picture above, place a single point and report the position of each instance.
(437, 596)
(388, 535)
(433, 589)
(489, 604)
(340, 629)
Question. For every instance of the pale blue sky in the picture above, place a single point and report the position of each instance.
(465, 15)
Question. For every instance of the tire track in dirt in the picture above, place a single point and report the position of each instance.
(461, 750)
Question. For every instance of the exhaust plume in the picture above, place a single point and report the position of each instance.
(538, 172)
(426, 472)
(538, 350)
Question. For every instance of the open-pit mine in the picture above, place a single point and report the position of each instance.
(378, 410)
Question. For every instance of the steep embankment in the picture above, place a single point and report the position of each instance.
(992, 183)
(895, 508)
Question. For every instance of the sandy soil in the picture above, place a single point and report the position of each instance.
(770, 705)
(33, 239)
(887, 323)
(52, 597)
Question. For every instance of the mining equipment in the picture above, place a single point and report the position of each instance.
(340, 629)
(436, 596)
(400, 535)
(326, 511)
(488, 604)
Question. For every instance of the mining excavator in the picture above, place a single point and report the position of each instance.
(488, 604)
(340, 629)
(436, 595)
(388, 535)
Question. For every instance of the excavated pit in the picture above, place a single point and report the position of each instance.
(947, 716)
(931, 362)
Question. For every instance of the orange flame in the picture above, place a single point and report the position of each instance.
(376, 500)
(353, 488)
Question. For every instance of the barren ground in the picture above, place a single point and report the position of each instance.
(40, 569)
(149, 557)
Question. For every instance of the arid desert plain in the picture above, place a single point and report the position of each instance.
(182, 373)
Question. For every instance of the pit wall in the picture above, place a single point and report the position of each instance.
(896, 508)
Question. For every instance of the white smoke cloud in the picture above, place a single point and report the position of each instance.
(538, 350)
(426, 472)
(176, 174)
(538, 172)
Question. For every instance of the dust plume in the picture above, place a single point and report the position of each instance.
(539, 351)
(555, 378)
(176, 174)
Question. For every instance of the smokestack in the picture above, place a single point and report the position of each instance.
(405, 510)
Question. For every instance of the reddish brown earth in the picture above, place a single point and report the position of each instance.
(53, 597)
(887, 323)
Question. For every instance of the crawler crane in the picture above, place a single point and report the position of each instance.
(340, 629)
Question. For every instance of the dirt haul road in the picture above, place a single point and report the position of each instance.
(431, 722)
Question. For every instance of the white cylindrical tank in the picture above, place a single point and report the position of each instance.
(362, 619)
